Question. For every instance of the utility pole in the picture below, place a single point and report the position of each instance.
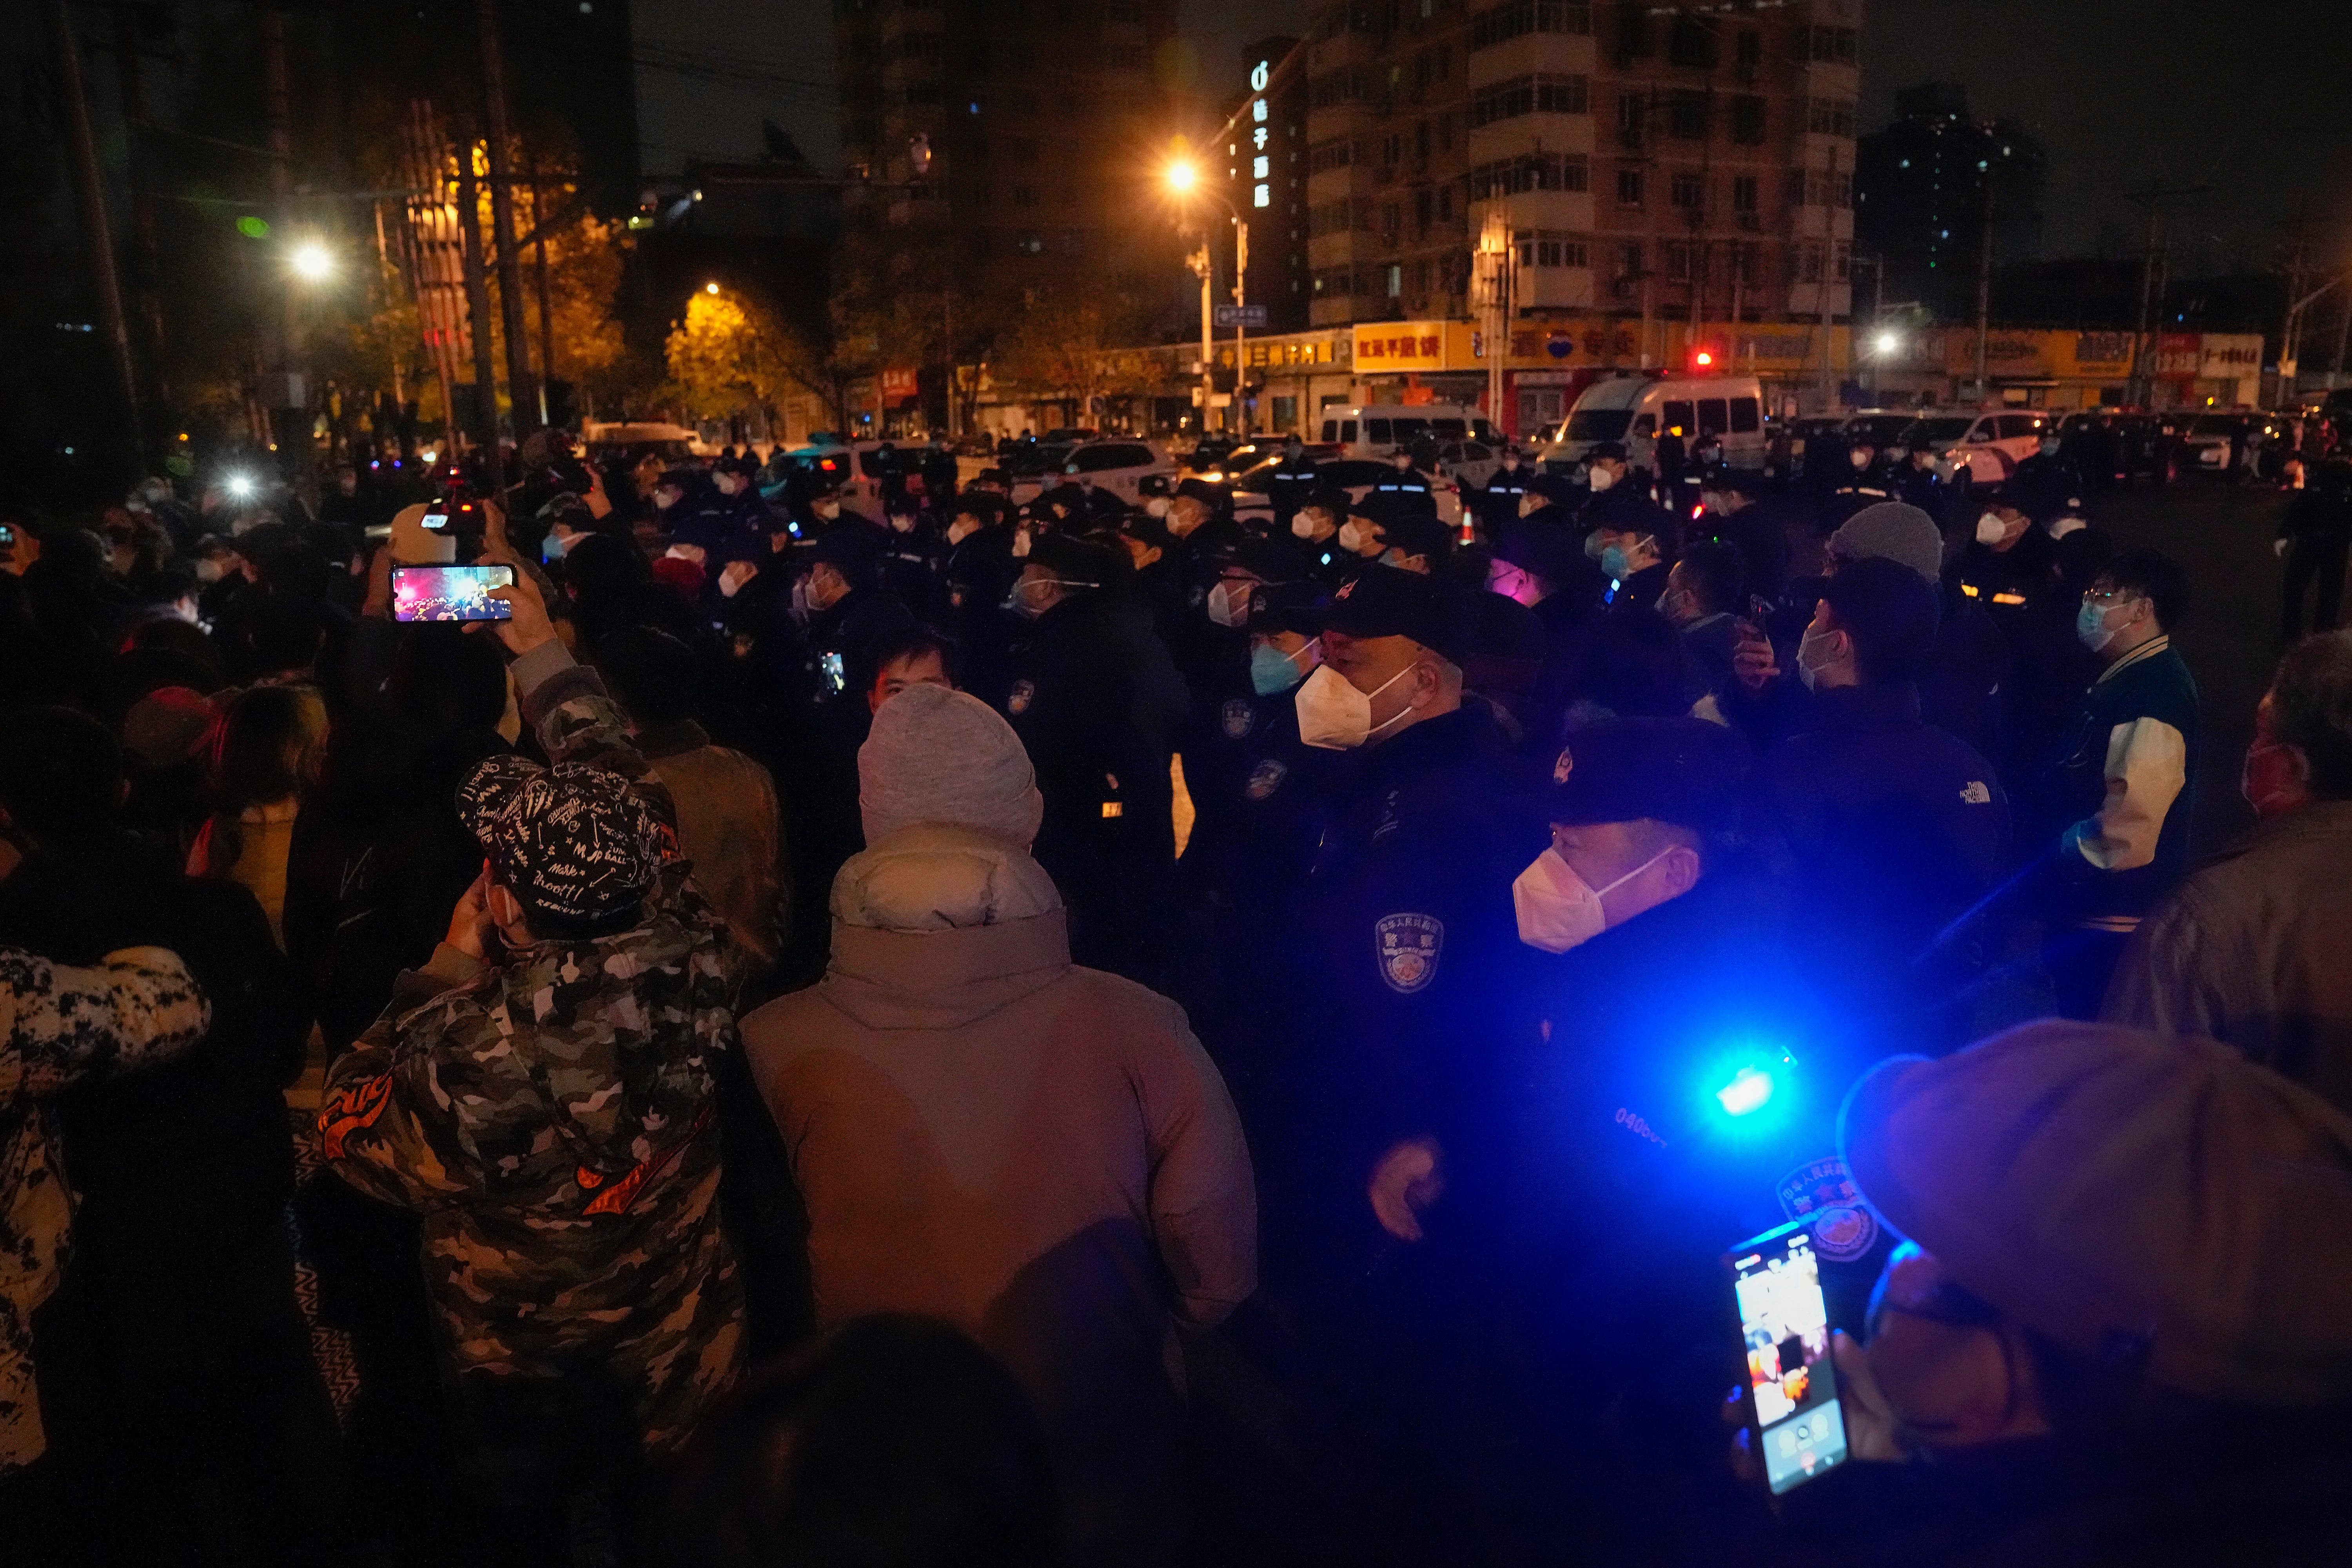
(290, 407)
(2143, 376)
(546, 304)
(2290, 329)
(146, 291)
(1984, 292)
(477, 290)
(91, 196)
(502, 227)
(1200, 264)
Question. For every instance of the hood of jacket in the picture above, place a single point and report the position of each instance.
(936, 925)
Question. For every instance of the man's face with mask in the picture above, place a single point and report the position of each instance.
(347, 483)
(1678, 604)
(667, 496)
(1402, 461)
(1313, 522)
(826, 586)
(1510, 462)
(1393, 671)
(1185, 514)
(1603, 472)
(826, 508)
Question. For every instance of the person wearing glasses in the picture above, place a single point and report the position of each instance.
(2120, 787)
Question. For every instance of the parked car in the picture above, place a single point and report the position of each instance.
(2120, 446)
(1117, 465)
(1989, 442)
(2211, 440)
(1881, 427)
(1468, 464)
(1375, 430)
(1253, 499)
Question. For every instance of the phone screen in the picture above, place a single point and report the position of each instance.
(437, 521)
(835, 676)
(1784, 1330)
(450, 592)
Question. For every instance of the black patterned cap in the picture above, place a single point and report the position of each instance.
(573, 841)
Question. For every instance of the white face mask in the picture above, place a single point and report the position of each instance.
(901, 523)
(827, 509)
(1335, 715)
(1600, 479)
(1354, 536)
(1558, 910)
(1812, 655)
(1157, 506)
(1229, 602)
(1858, 457)
(1990, 530)
(665, 498)
(1309, 525)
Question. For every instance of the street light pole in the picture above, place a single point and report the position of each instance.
(1199, 261)
(1240, 420)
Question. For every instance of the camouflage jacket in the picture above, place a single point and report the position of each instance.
(58, 1027)
(551, 1117)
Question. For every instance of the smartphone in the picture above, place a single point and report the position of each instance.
(1784, 1334)
(836, 678)
(450, 592)
(452, 513)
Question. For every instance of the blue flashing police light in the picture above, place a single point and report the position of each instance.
(1750, 1090)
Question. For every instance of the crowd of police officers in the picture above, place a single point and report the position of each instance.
(1537, 879)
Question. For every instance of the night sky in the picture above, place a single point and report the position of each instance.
(2249, 98)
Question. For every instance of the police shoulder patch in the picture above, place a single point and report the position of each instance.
(1407, 947)
(1236, 718)
(1266, 778)
(1822, 1191)
(1023, 692)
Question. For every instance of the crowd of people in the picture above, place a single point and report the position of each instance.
(1104, 1030)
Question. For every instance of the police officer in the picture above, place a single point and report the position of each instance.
(1733, 511)
(1895, 828)
(1863, 484)
(2315, 538)
(1074, 699)
(2046, 483)
(1405, 482)
(1316, 526)
(1293, 480)
(1615, 500)
(1499, 500)
(2006, 566)
(938, 470)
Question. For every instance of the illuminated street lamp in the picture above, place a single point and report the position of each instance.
(1183, 177)
(711, 287)
(311, 262)
(1889, 344)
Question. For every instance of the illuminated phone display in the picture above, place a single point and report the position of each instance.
(1784, 1330)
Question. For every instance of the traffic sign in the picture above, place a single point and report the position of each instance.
(1241, 315)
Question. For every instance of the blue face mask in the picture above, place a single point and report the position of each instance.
(1272, 670)
(1612, 561)
(552, 547)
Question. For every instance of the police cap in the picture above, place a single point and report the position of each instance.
(1388, 602)
(1685, 772)
(853, 548)
(1542, 544)
(1268, 559)
(1078, 560)
(1615, 449)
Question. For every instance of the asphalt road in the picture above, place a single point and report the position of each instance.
(2220, 534)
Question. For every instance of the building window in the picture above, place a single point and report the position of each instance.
(1445, 203)
(1633, 30)
(1833, 45)
(1744, 194)
(1424, 211)
(1678, 259)
(1521, 17)
(1391, 221)
(1841, 262)
(1751, 55)
(1747, 121)
(1633, 115)
(1830, 116)
(1334, 154)
(1629, 259)
(1629, 187)
(1529, 95)
(1395, 289)
(1551, 250)
(1688, 190)
(1691, 44)
(1808, 262)
(1532, 172)
(1686, 116)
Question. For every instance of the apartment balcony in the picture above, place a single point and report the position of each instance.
(1563, 54)
(1554, 288)
(1564, 211)
(1567, 134)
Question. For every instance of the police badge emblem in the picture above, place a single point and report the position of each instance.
(1017, 701)
(1407, 947)
(1823, 1190)
(1236, 718)
(1266, 778)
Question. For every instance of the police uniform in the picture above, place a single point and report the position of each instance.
(726, 528)
(1498, 502)
(1407, 487)
(1108, 837)
(2043, 486)
(1291, 485)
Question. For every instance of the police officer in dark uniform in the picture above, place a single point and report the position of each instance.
(1497, 502)
(1863, 484)
(1294, 478)
(938, 470)
(1615, 500)
(1733, 510)
(1680, 1094)
(1073, 698)
(1316, 527)
(2045, 484)
(2315, 538)
(1405, 482)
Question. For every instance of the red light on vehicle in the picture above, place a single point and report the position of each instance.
(1704, 358)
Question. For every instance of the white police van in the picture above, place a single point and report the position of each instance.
(1377, 429)
(1635, 410)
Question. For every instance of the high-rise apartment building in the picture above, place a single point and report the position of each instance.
(1648, 160)
(1265, 179)
(1043, 120)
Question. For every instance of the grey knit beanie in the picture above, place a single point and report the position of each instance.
(1896, 531)
(937, 755)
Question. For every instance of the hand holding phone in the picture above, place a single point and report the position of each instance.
(450, 592)
(1799, 1423)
